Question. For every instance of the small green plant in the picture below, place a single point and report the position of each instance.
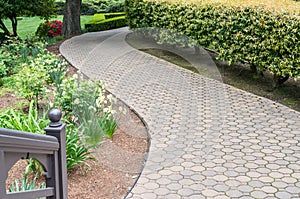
(25, 185)
(92, 108)
(92, 130)
(88, 106)
(31, 82)
(109, 125)
(63, 95)
(77, 153)
(38, 74)
(18, 120)
(34, 166)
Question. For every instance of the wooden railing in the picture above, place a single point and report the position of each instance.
(49, 150)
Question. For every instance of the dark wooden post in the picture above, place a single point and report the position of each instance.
(58, 129)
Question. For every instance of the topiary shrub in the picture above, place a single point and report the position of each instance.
(107, 21)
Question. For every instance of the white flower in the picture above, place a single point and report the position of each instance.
(75, 76)
(76, 101)
(92, 108)
(109, 96)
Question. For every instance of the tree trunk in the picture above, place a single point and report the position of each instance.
(14, 23)
(71, 21)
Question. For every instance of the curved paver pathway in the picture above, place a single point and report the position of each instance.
(208, 139)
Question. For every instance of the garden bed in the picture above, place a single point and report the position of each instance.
(119, 159)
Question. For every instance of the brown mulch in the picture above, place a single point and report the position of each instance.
(119, 160)
(7, 100)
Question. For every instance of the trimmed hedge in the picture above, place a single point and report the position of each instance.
(106, 21)
(267, 40)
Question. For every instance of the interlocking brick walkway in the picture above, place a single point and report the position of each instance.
(208, 139)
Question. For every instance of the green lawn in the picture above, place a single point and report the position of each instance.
(28, 25)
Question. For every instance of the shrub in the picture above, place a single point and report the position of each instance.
(15, 52)
(266, 39)
(45, 69)
(49, 29)
(106, 24)
(90, 7)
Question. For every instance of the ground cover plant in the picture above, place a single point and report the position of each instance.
(266, 39)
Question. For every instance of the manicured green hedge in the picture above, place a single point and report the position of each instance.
(267, 40)
(106, 21)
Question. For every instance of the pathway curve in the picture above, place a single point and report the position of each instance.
(208, 139)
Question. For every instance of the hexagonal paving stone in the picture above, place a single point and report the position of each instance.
(258, 194)
(210, 193)
(234, 193)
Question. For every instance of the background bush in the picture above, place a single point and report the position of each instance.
(91, 7)
(266, 39)
(15, 52)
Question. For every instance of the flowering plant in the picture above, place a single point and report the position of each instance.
(49, 29)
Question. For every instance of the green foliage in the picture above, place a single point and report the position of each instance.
(28, 25)
(87, 106)
(30, 83)
(81, 101)
(13, 8)
(28, 122)
(267, 40)
(63, 95)
(15, 52)
(90, 7)
(25, 185)
(34, 166)
(106, 21)
(109, 125)
(77, 153)
(45, 69)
